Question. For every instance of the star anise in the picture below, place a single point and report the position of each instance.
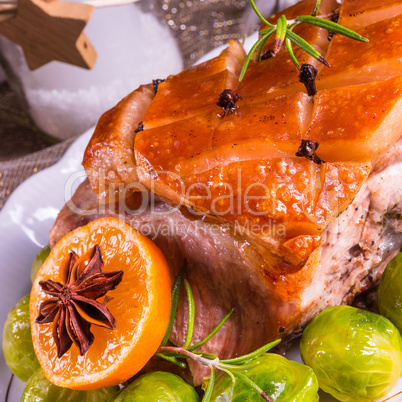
(307, 150)
(73, 307)
(227, 99)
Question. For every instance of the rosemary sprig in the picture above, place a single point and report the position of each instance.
(316, 7)
(284, 33)
(281, 29)
(253, 355)
(191, 314)
(172, 359)
(210, 388)
(252, 385)
(262, 44)
(303, 44)
(289, 48)
(216, 329)
(331, 26)
(179, 355)
(176, 290)
(260, 41)
(215, 363)
(259, 14)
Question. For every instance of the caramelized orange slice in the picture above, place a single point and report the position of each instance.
(140, 305)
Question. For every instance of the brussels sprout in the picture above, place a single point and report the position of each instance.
(39, 260)
(158, 386)
(356, 355)
(40, 389)
(390, 292)
(17, 342)
(281, 379)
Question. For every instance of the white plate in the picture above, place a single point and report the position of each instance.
(25, 222)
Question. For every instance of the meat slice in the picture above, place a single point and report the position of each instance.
(275, 198)
(203, 142)
(175, 102)
(354, 62)
(196, 90)
(364, 135)
(164, 155)
(371, 224)
(360, 13)
(109, 156)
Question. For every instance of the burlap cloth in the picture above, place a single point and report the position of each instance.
(24, 151)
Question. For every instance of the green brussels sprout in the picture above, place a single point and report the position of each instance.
(356, 355)
(390, 292)
(158, 386)
(17, 341)
(281, 379)
(40, 389)
(38, 261)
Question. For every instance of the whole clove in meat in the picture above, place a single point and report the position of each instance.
(140, 127)
(268, 54)
(227, 99)
(334, 18)
(308, 150)
(156, 83)
(307, 76)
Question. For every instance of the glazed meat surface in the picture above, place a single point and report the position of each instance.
(276, 236)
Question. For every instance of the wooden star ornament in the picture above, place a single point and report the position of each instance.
(51, 30)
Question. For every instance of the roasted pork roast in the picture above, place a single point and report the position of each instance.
(224, 179)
